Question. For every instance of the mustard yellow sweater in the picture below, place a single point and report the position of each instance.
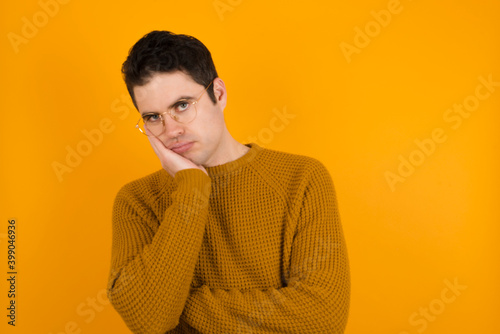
(254, 247)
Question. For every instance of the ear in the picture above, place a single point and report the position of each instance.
(220, 92)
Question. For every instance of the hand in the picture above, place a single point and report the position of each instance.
(171, 161)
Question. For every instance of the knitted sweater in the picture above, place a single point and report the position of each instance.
(254, 247)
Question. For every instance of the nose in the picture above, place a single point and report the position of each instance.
(173, 129)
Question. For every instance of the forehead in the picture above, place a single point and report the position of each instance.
(163, 89)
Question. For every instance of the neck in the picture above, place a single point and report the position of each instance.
(229, 150)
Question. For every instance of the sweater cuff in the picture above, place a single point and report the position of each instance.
(190, 179)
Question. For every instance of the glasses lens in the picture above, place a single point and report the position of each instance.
(140, 126)
(184, 111)
(153, 124)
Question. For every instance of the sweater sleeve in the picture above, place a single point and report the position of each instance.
(315, 298)
(151, 272)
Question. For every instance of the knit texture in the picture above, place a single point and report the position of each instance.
(254, 247)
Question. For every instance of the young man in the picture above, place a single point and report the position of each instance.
(226, 237)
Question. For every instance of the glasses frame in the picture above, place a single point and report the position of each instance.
(193, 104)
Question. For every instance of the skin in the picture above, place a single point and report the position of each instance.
(213, 145)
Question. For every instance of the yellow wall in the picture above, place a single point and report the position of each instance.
(377, 101)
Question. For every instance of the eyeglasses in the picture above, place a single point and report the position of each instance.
(183, 111)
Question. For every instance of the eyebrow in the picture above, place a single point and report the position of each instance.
(181, 98)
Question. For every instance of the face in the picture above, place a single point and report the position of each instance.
(205, 134)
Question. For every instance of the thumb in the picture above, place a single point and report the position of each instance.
(203, 169)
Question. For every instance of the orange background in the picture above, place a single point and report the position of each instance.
(360, 113)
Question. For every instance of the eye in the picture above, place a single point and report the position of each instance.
(151, 118)
(182, 106)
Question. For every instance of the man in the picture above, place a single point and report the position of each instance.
(226, 237)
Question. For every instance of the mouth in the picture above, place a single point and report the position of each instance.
(181, 147)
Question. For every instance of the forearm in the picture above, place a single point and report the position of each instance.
(300, 308)
(150, 289)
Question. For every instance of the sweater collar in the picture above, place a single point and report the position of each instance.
(231, 166)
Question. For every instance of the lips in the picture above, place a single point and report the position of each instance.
(181, 147)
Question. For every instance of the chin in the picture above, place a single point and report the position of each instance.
(200, 161)
(195, 158)
(200, 155)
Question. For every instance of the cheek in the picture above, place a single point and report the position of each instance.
(210, 124)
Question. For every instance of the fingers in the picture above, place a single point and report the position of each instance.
(156, 144)
(161, 150)
(171, 161)
(165, 155)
